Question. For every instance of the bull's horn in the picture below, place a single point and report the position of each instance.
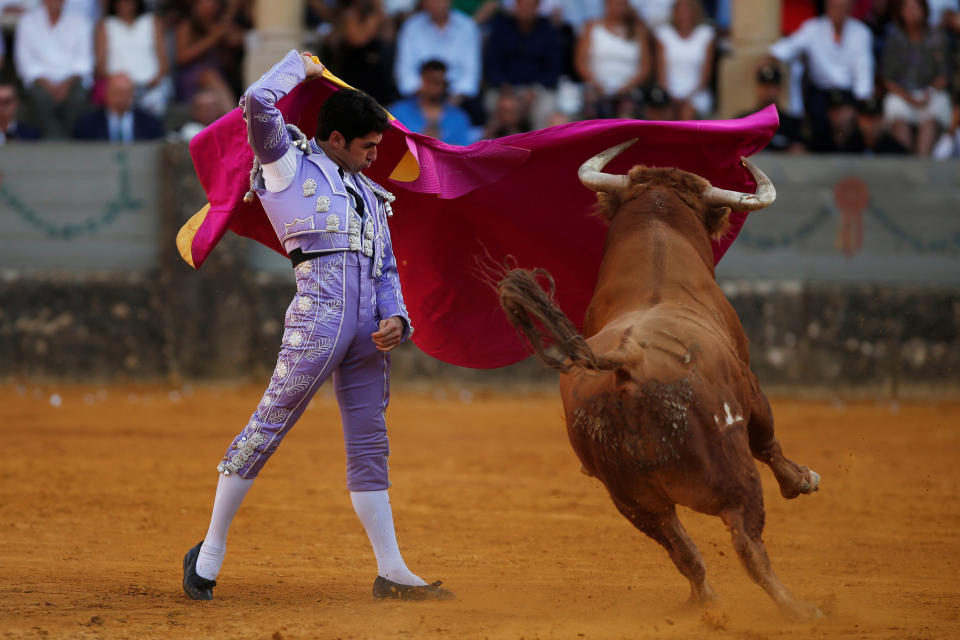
(591, 172)
(764, 197)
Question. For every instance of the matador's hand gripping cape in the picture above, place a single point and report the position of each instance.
(515, 196)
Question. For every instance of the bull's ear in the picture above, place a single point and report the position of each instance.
(716, 220)
(607, 205)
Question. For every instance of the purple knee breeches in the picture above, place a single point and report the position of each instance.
(327, 331)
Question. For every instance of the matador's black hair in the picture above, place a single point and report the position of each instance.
(353, 113)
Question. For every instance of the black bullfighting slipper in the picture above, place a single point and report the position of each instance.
(196, 587)
(384, 589)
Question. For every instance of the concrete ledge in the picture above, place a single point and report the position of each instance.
(880, 340)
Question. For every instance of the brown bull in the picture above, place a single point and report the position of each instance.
(660, 401)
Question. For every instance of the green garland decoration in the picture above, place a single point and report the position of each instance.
(764, 242)
(122, 201)
(947, 244)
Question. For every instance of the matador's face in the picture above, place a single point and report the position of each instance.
(360, 153)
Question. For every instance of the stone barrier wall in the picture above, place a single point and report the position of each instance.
(111, 300)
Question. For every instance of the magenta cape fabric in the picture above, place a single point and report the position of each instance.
(516, 196)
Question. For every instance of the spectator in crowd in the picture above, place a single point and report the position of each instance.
(441, 33)
(875, 137)
(578, 13)
(131, 41)
(555, 11)
(557, 118)
(613, 59)
(839, 55)
(523, 55)
(945, 14)
(205, 108)
(873, 13)
(400, 10)
(794, 13)
(361, 48)
(948, 146)
(430, 112)
(915, 75)
(841, 135)
(790, 134)
(91, 9)
(320, 15)
(654, 13)
(657, 105)
(507, 117)
(877, 16)
(10, 128)
(15, 8)
(119, 120)
(53, 53)
(685, 50)
(208, 40)
(480, 10)
(720, 13)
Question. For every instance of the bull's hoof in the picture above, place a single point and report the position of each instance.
(812, 483)
(809, 483)
(701, 595)
(804, 612)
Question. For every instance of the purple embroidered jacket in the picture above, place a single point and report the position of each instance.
(314, 213)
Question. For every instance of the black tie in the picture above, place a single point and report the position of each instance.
(357, 200)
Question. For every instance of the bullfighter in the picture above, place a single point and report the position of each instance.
(347, 315)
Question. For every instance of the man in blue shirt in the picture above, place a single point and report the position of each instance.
(439, 33)
(430, 113)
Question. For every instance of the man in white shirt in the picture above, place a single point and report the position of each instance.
(439, 33)
(839, 54)
(53, 54)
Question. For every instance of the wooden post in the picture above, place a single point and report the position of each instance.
(755, 25)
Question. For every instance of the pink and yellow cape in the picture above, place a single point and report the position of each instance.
(516, 196)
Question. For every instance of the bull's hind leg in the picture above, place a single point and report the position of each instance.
(794, 479)
(746, 526)
(665, 528)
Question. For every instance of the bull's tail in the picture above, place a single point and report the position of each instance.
(533, 313)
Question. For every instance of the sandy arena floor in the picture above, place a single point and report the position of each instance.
(103, 490)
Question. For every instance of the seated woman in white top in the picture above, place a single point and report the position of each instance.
(685, 50)
(915, 72)
(130, 40)
(613, 58)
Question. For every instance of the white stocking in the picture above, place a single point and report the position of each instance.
(373, 509)
(231, 490)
